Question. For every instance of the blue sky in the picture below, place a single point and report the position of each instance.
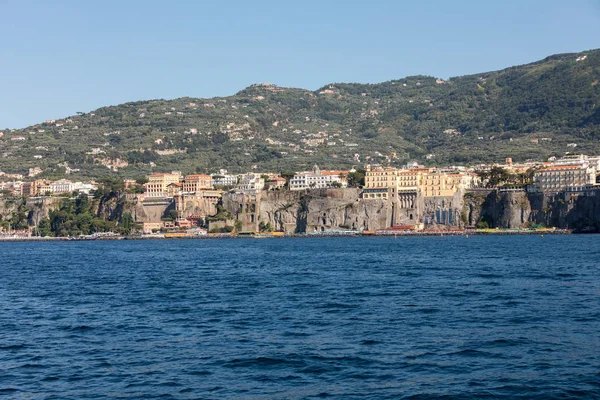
(59, 57)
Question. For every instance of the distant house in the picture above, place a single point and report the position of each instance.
(15, 138)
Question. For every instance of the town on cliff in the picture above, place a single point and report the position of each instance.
(560, 194)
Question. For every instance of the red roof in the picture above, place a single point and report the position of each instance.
(561, 168)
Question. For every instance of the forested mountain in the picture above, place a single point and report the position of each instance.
(525, 112)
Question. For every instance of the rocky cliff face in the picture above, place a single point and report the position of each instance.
(319, 210)
(339, 209)
(573, 210)
(40, 208)
(7, 207)
(578, 211)
(506, 209)
(148, 212)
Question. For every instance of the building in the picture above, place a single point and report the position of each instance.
(38, 187)
(564, 177)
(579, 159)
(34, 172)
(378, 182)
(196, 183)
(152, 226)
(436, 183)
(173, 189)
(317, 179)
(158, 182)
(388, 182)
(251, 183)
(276, 182)
(129, 183)
(61, 186)
(223, 179)
(84, 188)
(44, 189)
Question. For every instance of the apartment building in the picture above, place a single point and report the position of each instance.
(564, 177)
(158, 182)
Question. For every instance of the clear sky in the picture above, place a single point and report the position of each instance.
(59, 57)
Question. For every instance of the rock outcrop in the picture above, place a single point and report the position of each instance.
(319, 210)
(519, 209)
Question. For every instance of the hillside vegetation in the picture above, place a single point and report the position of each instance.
(531, 111)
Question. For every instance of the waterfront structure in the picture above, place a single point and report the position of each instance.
(158, 182)
(151, 226)
(317, 179)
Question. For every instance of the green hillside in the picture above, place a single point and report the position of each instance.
(529, 111)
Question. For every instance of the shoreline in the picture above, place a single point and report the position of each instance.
(302, 235)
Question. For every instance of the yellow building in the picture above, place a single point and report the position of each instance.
(383, 183)
(379, 182)
(196, 183)
(410, 180)
(158, 182)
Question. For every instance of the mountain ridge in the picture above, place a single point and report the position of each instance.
(533, 110)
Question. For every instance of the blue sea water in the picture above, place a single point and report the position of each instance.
(344, 318)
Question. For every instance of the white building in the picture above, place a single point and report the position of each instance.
(579, 159)
(61, 186)
(224, 179)
(317, 179)
(251, 182)
(84, 188)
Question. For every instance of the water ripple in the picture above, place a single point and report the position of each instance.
(406, 318)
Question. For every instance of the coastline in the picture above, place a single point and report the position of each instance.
(302, 235)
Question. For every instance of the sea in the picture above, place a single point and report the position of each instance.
(450, 317)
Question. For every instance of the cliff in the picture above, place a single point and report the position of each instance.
(566, 210)
(320, 210)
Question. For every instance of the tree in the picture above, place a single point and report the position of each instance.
(356, 179)
(43, 228)
(262, 227)
(287, 175)
(238, 225)
(172, 215)
(127, 223)
(497, 176)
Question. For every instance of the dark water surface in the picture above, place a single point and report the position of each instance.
(515, 317)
